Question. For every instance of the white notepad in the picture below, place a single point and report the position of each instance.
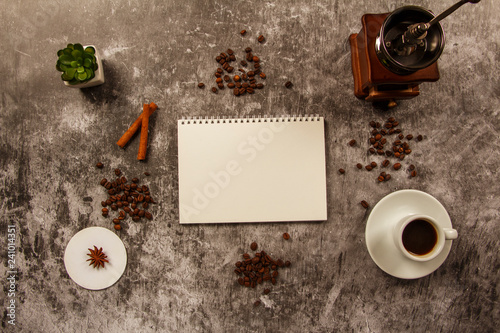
(252, 170)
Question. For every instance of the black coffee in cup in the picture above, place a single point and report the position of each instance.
(419, 237)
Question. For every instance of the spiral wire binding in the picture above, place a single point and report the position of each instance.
(253, 119)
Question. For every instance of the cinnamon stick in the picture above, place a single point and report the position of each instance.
(148, 109)
(135, 126)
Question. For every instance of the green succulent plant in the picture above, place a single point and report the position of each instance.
(77, 64)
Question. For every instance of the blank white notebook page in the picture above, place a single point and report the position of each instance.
(252, 170)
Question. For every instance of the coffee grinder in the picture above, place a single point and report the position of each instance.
(395, 52)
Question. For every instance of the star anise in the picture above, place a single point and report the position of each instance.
(97, 257)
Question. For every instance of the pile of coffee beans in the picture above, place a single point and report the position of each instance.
(126, 199)
(258, 269)
(386, 141)
(243, 80)
(380, 145)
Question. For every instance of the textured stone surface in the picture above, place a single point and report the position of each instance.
(180, 278)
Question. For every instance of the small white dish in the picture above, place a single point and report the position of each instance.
(379, 232)
(77, 266)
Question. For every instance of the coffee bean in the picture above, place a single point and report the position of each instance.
(286, 236)
(381, 178)
(359, 166)
(201, 85)
(99, 165)
(364, 204)
(253, 246)
(420, 137)
(413, 173)
(368, 167)
(411, 167)
(373, 164)
(341, 171)
(104, 181)
(288, 84)
(385, 163)
(118, 172)
(214, 90)
(243, 32)
(261, 39)
(352, 143)
(118, 227)
(409, 137)
(387, 177)
(397, 166)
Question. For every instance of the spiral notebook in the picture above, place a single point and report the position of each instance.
(252, 170)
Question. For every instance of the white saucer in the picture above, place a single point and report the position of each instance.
(379, 238)
(77, 266)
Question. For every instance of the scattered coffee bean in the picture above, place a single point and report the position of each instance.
(117, 227)
(359, 166)
(364, 204)
(288, 84)
(243, 32)
(214, 90)
(253, 246)
(397, 166)
(352, 143)
(261, 39)
(341, 171)
(256, 303)
(99, 165)
(368, 167)
(286, 236)
(201, 85)
(420, 137)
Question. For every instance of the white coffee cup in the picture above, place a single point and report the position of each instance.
(421, 237)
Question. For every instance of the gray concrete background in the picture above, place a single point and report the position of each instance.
(180, 278)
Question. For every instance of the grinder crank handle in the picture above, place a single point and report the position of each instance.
(448, 12)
